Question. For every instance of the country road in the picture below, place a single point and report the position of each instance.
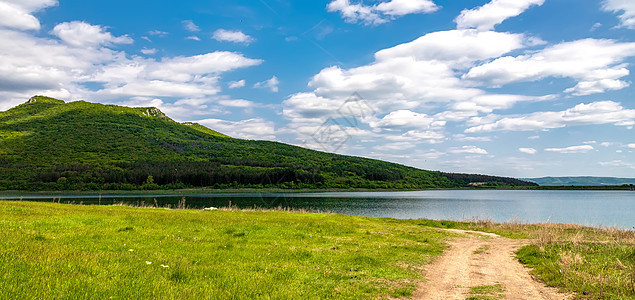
(482, 264)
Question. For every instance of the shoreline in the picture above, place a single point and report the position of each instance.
(296, 191)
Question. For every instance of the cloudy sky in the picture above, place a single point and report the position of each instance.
(521, 88)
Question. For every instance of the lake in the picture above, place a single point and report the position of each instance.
(592, 208)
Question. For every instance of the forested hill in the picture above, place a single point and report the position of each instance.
(47, 144)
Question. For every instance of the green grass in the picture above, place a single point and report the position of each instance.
(58, 251)
(589, 270)
(486, 292)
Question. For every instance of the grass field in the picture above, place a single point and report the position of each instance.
(97, 252)
(53, 251)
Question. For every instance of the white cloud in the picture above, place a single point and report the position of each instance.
(457, 47)
(234, 36)
(309, 108)
(193, 38)
(271, 84)
(251, 129)
(236, 103)
(597, 64)
(395, 146)
(18, 14)
(237, 84)
(493, 13)
(618, 163)
(32, 65)
(408, 79)
(572, 149)
(406, 7)
(602, 112)
(468, 150)
(190, 26)
(405, 119)
(632, 146)
(171, 76)
(81, 34)
(381, 12)
(626, 9)
(595, 87)
(531, 151)
(147, 51)
(158, 33)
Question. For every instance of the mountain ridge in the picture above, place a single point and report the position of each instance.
(48, 144)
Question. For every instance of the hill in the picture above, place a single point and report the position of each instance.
(581, 181)
(47, 144)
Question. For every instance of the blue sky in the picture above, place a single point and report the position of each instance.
(521, 88)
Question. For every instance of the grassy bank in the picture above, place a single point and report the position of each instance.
(78, 252)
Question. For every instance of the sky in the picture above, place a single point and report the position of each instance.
(519, 88)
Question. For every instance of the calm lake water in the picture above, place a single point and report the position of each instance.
(593, 208)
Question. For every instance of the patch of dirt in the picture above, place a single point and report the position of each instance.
(480, 259)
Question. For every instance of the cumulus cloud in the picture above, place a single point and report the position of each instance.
(234, 36)
(601, 112)
(81, 34)
(405, 119)
(190, 26)
(147, 51)
(457, 47)
(632, 146)
(408, 79)
(395, 146)
(597, 64)
(381, 12)
(528, 150)
(625, 9)
(468, 150)
(237, 84)
(493, 13)
(18, 14)
(250, 129)
(572, 149)
(193, 38)
(83, 58)
(271, 84)
(236, 103)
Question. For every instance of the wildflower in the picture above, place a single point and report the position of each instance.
(165, 266)
(131, 250)
(148, 262)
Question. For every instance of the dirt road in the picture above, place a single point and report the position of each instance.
(480, 264)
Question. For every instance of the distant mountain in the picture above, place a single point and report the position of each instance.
(47, 144)
(581, 181)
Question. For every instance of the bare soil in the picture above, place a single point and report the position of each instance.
(478, 260)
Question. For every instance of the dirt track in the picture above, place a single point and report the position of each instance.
(477, 260)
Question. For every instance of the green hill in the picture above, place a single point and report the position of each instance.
(47, 144)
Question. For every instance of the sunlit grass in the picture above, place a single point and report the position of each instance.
(50, 251)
